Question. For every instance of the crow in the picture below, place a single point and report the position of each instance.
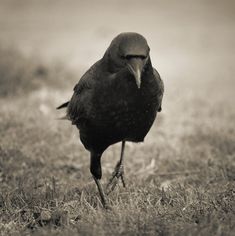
(116, 100)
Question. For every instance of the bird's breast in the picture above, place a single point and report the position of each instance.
(125, 111)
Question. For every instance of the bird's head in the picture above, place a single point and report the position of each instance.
(131, 51)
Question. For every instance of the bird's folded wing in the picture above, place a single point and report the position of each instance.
(79, 105)
(160, 88)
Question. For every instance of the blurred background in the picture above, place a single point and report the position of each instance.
(46, 46)
(191, 36)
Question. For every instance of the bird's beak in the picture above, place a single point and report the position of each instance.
(135, 66)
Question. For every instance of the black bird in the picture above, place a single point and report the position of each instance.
(116, 100)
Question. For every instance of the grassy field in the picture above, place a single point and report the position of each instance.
(180, 181)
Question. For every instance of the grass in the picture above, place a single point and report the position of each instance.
(179, 182)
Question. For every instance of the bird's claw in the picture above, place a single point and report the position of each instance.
(118, 173)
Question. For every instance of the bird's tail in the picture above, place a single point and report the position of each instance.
(63, 118)
(63, 105)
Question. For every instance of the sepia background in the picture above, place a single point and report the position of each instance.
(180, 180)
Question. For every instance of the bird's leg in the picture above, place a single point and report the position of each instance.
(96, 171)
(101, 192)
(118, 173)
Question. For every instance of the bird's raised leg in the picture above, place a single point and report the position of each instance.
(96, 171)
(118, 173)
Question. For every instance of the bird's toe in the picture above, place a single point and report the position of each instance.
(117, 174)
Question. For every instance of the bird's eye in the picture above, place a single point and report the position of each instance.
(128, 57)
(142, 57)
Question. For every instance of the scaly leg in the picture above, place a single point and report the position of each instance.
(96, 171)
(101, 192)
(118, 173)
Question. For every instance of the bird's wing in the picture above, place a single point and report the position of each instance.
(84, 83)
(80, 103)
(161, 88)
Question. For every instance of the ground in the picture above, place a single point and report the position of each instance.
(180, 181)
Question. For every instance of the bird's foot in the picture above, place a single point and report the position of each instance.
(118, 173)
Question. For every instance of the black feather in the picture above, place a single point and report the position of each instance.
(63, 105)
